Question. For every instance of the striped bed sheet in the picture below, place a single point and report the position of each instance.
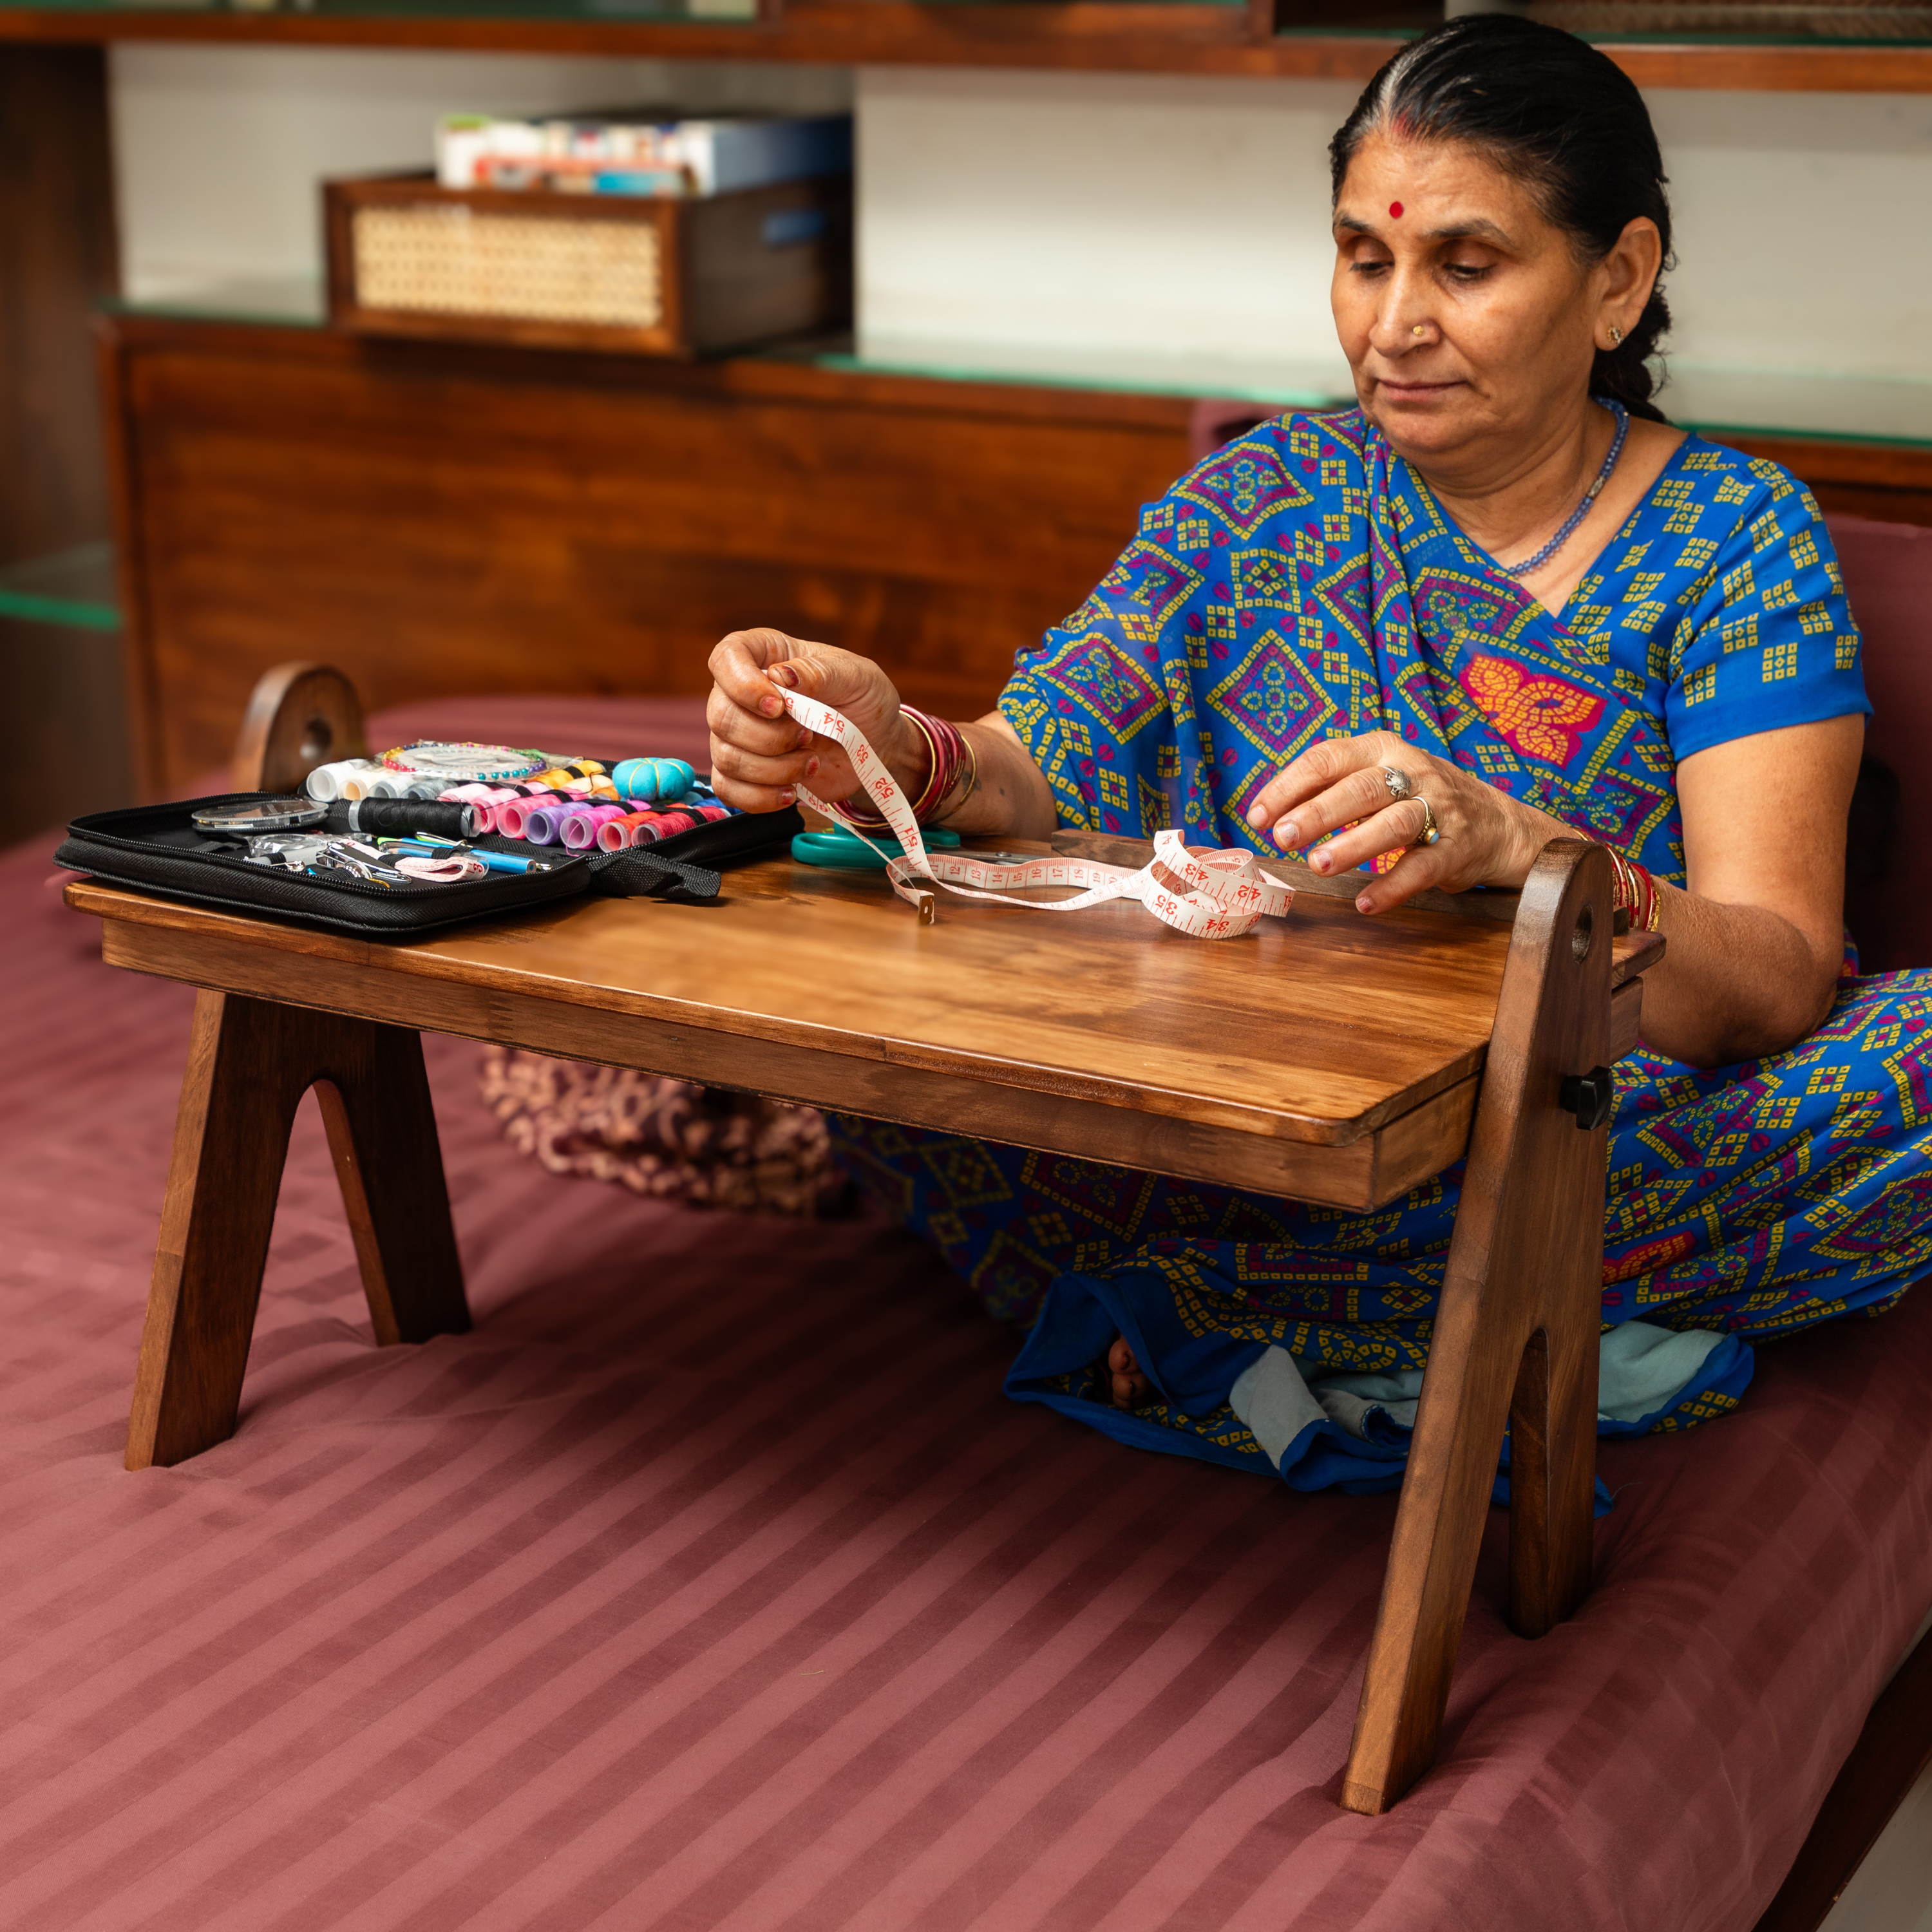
(710, 1583)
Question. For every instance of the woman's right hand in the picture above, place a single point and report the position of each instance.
(759, 756)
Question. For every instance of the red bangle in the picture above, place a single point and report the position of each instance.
(946, 757)
(1634, 891)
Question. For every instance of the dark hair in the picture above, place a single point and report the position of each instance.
(1564, 120)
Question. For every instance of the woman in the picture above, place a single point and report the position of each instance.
(1501, 602)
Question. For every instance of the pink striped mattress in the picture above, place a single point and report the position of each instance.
(711, 1584)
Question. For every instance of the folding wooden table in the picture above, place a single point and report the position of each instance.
(1328, 1057)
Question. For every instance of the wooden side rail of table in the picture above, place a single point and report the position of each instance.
(1327, 1057)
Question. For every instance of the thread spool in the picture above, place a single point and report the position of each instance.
(615, 835)
(575, 778)
(343, 777)
(581, 828)
(664, 825)
(514, 813)
(544, 825)
(653, 781)
(397, 817)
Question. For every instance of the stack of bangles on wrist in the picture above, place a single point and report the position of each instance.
(953, 758)
(1635, 892)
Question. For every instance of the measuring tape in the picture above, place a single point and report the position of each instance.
(1206, 895)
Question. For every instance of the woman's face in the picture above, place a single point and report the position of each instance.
(1466, 316)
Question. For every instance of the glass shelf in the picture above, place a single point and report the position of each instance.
(300, 302)
(1311, 384)
(76, 588)
(1892, 410)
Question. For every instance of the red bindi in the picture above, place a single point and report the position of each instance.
(1395, 209)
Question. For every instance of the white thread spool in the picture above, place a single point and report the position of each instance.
(322, 784)
(346, 777)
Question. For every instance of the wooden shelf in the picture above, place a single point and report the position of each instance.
(1111, 35)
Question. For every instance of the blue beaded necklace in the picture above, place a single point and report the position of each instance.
(1582, 509)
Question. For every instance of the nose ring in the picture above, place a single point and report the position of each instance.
(1416, 330)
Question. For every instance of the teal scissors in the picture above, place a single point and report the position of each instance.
(846, 851)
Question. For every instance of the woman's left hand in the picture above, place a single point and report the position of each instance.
(1485, 837)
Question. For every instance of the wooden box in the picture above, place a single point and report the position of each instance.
(648, 275)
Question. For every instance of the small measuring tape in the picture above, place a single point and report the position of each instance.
(1206, 895)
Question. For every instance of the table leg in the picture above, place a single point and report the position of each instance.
(1515, 1338)
(249, 1062)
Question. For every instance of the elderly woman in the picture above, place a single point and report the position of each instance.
(1500, 602)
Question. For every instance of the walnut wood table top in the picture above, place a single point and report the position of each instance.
(1327, 1056)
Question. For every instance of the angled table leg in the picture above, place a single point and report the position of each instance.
(1515, 1339)
(249, 1062)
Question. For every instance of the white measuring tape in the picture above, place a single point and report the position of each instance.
(1208, 895)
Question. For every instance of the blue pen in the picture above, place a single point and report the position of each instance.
(506, 861)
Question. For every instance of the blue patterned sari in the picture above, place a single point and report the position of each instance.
(1302, 584)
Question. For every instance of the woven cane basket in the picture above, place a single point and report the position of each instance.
(672, 277)
(470, 262)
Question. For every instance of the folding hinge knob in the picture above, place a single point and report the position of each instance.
(1590, 1096)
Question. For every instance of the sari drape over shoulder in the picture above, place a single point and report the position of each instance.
(1303, 583)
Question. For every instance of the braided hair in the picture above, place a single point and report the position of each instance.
(1563, 119)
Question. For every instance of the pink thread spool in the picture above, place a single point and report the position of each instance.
(511, 813)
(514, 814)
(581, 828)
(616, 835)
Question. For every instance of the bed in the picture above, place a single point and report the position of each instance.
(711, 1583)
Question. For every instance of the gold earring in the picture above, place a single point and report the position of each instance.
(1616, 335)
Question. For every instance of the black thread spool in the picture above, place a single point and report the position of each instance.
(403, 817)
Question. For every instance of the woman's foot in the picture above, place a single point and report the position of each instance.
(1130, 1388)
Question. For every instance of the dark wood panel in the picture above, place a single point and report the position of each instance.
(435, 520)
(1114, 35)
(57, 257)
(1892, 481)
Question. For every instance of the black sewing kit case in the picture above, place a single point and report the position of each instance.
(159, 849)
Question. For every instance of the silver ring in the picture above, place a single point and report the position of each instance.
(1430, 831)
(1400, 784)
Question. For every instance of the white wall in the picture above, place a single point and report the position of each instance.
(1188, 215)
(218, 150)
(1150, 215)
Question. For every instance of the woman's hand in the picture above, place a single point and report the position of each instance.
(1487, 837)
(760, 756)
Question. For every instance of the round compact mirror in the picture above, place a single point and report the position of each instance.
(261, 814)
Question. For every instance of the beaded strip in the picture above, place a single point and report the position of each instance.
(433, 758)
(1590, 496)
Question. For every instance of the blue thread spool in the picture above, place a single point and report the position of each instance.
(653, 781)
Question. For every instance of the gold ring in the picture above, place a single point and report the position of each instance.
(1430, 831)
